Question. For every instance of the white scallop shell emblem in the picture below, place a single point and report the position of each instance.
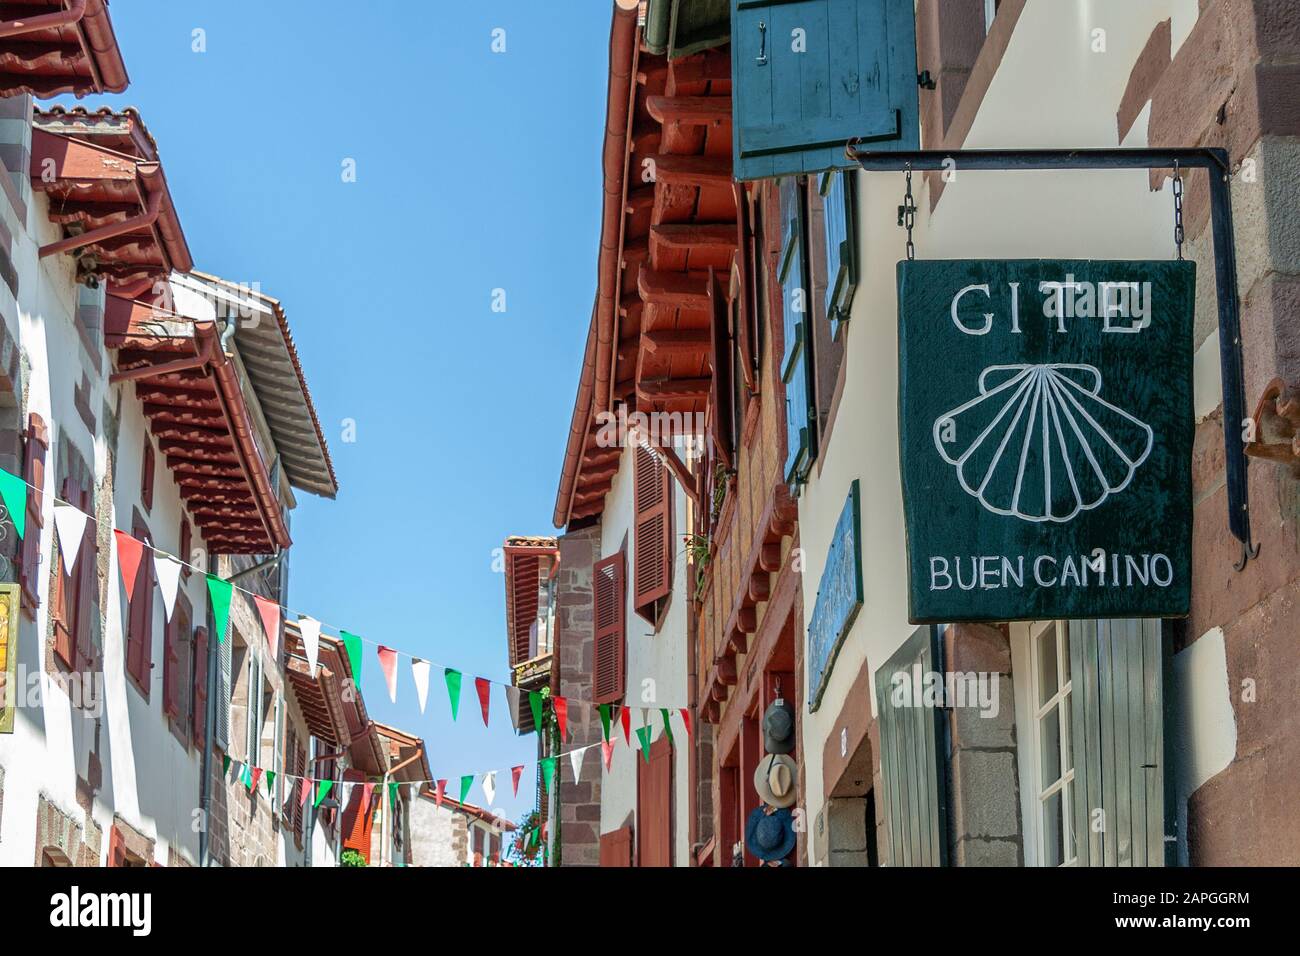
(1038, 443)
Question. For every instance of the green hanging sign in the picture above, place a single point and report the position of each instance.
(1045, 432)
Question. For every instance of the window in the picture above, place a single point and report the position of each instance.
(139, 637)
(796, 362)
(146, 474)
(72, 605)
(837, 191)
(178, 670)
(34, 451)
(1051, 766)
(255, 712)
(610, 651)
(653, 537)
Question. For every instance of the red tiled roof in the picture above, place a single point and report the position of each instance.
(48, 47)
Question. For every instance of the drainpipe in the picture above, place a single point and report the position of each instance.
(384, 836)
(209, 731)
(145, 219)
(46, 21)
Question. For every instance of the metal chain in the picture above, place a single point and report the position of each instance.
(909, 214)
(1178, 210)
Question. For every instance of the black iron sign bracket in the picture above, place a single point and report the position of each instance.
(1216, 161)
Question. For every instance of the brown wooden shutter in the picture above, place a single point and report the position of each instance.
(171, 665)
(87, 585)
(616, 847)
(146, 474)
(358, 818)
(654, 803)
(301, 764)
(200, 696)
(610, 650)
(63, 594)
(139, 643)
(652, 546)
(29, 561)
(187, 545)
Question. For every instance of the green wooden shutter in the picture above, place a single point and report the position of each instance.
(841, 257)
(796, 360)
(221, 705)
(1117, 731)
(913, 755)
(809, 75)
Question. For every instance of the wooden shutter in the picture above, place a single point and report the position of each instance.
(357, 815)
(87, 572)
(608, 656)
(854, 77)
(1117, 729)
(146, 474)
(29, 561)
(654, 790)
(200, 696)
(176, 661)
(63, 592)
(139, 642)
(221, 705)
(913, 757)
(722, 386)
(616, 847)
(796, 363)
(187, 546)
(652, 546)
(841, 257)
(300, 765)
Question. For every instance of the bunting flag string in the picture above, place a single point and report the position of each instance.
(625, 717)
(388, 664)
(167, 571)
(453, 690)
(269, 612)
(220, 593)
(70, 523)
(13, 491)
(484, 688)
(309, 630)
(643, 735)
(466, 782)
(490, 787)
(129, 553)
(575, 758)
(420, 674)
(353, 645)
(515, 774)
(561, 706)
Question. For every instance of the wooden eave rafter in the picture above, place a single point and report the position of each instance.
(51, 47)
(665, 236)
(201, 421)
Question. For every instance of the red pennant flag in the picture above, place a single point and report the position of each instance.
(388, 664)
(607, 751)
(484, 688)
(129, 553)
(304, 790)
(270, 614)
(442, 788)
(686, 721)
(366, 792)
(562, 715)
(625, 717)
(256, 773)
(515, 774)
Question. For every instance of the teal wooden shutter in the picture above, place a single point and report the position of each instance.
(796, 364)
(221, 705)
(841, 257)
(1117, 731)
(913, 754)
(809, 75)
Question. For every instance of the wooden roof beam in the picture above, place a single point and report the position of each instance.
(691, 110)
(677, 342)
(700, 171)
(681, 290)
(688, 236)
(667, 389)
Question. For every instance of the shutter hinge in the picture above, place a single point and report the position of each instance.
(925, 81)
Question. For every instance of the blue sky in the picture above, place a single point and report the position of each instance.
(475, 171)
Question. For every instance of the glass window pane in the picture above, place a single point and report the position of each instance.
(1053, 832)
(1068, 809)
(1050, 747)
(1069, 736)
(1046, 665)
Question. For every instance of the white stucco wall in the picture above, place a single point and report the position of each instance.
(1052, 90)
(656, 668)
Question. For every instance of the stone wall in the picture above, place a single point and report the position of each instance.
(579, 829)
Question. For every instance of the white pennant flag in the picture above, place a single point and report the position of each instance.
(575, 758)
(490, 787)
(420, 671)
(347, 795)
(168, 571)
(70, 522)
(512, 703)
(310, 629)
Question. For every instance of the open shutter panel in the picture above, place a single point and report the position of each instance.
(796, 355)
(221, 706)
(171, 666)
(139, 644)
(37, 444)
(810, 75)
(841, 259)
(616, 848)
(722, 388)
(200, 695)
(87, 585)
(63, 593)
(653, 561)
(1117, 730)
(913, 758)
(610, 601)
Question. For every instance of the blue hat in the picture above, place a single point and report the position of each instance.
(770, 836)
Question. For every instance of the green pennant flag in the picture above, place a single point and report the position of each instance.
(466, 782)
(13, 490)
(453, 690)
(322, 790)
(220, 592)
(225, 765)
(270, 781)
(353, 644)
(245, 776)
(535, 702)
(604, 721)
(643, 735)
(667, 726)
(392, 795)
(548, 771)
